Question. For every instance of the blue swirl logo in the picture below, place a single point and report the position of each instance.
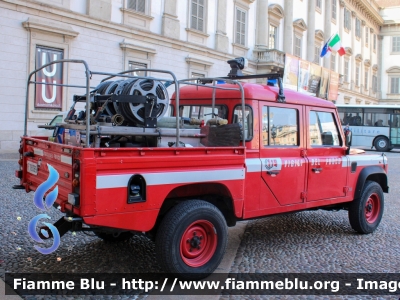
(44, 204)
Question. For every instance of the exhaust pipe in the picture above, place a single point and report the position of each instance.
(117, 119)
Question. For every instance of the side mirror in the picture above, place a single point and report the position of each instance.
(348, 137)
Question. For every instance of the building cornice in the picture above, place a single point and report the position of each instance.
(132, 45)
(348, 93)
(190, 60)
(368, 8)
(47, 26)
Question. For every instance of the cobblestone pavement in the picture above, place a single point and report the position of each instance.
(314, 241)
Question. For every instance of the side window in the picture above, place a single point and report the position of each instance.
(248, 120)
(202, 112)
(280, 126)
(57, 119)
(323, 129)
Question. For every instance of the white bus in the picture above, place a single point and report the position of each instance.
(372, 125)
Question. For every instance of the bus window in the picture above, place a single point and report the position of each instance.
(352, 116)
(377, 117)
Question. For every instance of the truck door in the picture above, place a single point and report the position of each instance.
(327, 172)
(282, 153)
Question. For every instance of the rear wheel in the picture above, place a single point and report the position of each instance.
(365, 213)
(114, 237)
(382, 144)
(192, 239)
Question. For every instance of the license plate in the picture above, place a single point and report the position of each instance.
(32, 168)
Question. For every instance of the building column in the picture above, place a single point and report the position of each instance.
(353, 60)
(288, 27)
(362, 66)
(221, 39)
(262, 29)
(327, 27)
(170, 23)
(311, 31)
(380, 64)
(340, 21)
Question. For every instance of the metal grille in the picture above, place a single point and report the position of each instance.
(197, 75)
(272, 37)
(240, 27)
(334, 9)
(347, 19)
(317, 54)
(333, 62)
(374, 83)
(396, 44)
(346, 71)
(297, 46)
(394, 85)
(357, 76)
(132, 65)
(197, 16)
(358, 28)
(137, 5)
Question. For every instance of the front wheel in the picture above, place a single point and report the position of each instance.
(192, 239)
(382, 144)
(365, 213)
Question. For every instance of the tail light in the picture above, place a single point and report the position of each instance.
(75, 183)
(74, 198)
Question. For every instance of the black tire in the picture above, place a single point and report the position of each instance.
(365, 213)
(382, 144)
(177, 235)
(114, 237)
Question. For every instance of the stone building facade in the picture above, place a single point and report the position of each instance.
(192, 38)
(390, 58)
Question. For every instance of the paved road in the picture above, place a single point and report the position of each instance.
(315, 241)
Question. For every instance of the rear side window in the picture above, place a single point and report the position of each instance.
(280, 126)
(323, 129)
(203, 112)
(248, 120)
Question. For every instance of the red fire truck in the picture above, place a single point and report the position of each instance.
(228, 151)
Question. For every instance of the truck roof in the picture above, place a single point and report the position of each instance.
(251, 91)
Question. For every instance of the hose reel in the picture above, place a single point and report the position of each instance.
(151, 109)
(149, 101)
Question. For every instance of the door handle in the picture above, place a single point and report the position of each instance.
(273, 173)
(317, 170)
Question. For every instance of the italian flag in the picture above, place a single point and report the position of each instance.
(336, 45)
